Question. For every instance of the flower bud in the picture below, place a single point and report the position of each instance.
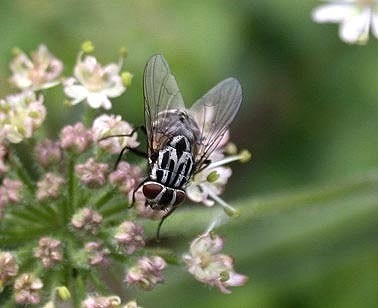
(27, 289)
(126, 78)
(87, 47)
(64, 293)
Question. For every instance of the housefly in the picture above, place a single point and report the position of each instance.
(179, 139)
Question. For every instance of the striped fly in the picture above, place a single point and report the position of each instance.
(180, 140)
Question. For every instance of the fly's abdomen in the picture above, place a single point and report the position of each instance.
(174, 165)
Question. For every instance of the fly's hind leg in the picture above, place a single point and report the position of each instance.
(170, 211)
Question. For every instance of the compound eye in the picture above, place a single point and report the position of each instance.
(180, 197)
(152, 189)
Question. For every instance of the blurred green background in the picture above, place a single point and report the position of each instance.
(309, 116)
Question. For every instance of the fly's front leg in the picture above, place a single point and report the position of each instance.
(136, 151)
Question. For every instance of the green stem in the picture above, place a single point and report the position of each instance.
(186, 221)
(69, 205)
(105, 198)
(22, 174)
(96, 282)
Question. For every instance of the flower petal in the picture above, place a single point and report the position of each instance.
(356, 28)
(333, 12)
(374, 25)
(96, 100)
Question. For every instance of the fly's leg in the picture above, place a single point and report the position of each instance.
(132, 150)
(142, 128)
(171, 210)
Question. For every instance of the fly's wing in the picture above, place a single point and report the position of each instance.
(162, 97)
(214, 113)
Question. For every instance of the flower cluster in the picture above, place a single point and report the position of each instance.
(66, 212)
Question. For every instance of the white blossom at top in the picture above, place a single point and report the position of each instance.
(20, 115)
(94, 83)
(40, 71)
(356, 17)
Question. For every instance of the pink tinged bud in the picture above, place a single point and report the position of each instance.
(97, 254)
(101, 302)
(27, 289)
(147, 272)
(76, 138)
(108, 125)
(49, 186)
(10, 191)
(129, 237)
(91, 173)
(49, 251)
(127, 177)
(208, 265)
(48, 153)
(8, 267)
(87, 220)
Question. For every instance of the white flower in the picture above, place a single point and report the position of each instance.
(209, 182)
(108, 125)
(20, 115)
(40, 71)
(208, 265)
(94, 83)
(355, 18)
(207, 185)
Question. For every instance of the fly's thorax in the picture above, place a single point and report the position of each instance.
(160, 197)
(178, 122)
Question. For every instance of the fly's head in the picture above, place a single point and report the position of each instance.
(160, 197)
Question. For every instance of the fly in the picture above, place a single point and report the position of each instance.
(179, 139)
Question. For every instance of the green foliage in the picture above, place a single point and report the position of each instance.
(309, 116)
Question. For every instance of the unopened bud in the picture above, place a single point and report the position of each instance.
(231, 148)
(245, 156)
(64, 293)
(16, 51)
(87, 47)
(127, 77)
(123, 52)
(212, 176)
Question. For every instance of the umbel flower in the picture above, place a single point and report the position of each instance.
(20, 115)
(40, 71)
(65, 215)
(356, 18)
(94, 83)
(208, 265)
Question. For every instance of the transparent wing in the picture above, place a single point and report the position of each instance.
(213, 114)
(161, 98)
